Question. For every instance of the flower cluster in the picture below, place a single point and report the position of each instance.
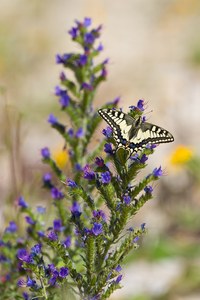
(78, 247)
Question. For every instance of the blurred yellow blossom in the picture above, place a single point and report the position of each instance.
(61, 157)
(181, 155)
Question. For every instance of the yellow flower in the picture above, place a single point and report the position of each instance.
(61, 157)
(181, 155)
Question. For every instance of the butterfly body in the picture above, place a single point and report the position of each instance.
(133, 134)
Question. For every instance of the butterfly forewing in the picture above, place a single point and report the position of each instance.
(119, 122)
(131, 137)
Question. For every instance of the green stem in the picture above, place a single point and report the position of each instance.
(44, 288)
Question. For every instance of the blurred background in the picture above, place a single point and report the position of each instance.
(154, 52)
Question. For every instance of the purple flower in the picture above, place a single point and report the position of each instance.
(71, 183)
(144, 119)
(133, 107)
(56, 194)
(51, 268)
(130, 229)
(157, 172)
(22, 202)
(127, 199)
(80, 133)
(41, 209)
(89, 38)
(36, 249)
(70, 132)
(100, 47)
(21, 282)
(7, 277)
(148, 189)
(104, 72)
(40, 233)
(67, 242)
(99, 161)
(63, 272)
(83, 60)
(140, 105)
(45, 153)
(23, 255)
(55, 273)
(108, 148)
(62, 59)
(64, 100)
(87, 231)
(78, 167)
(136, 239)
(97, 229)
(64, 97)
(115, 101)
(57, 225)
(76, 210)
(118, 268)
(88, 173)
(73, 32)
(30, 282)
(47, 179)
(96, 297)
(52, 280)
(119, 278)
(105, 177)
(99, 214)
(59, 59)
(29, 220)
(25, 296)
(151, 146)
(63, 76)
(52, 119)
(143, 225)
(3, 258)
(134, 157)
(107, 132)
(87, 22)
(143, 158)
(12, 227)
(86, 86)
(52, 236)
(59, 91)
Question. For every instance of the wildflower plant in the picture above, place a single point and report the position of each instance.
(82, 251)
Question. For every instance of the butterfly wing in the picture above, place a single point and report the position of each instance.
(134, 137)
(149, 134)
(120, 123)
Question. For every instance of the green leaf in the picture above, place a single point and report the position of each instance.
(80, 192)
(108, 193)
(122, 155)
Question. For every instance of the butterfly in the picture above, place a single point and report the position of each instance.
(133, 134)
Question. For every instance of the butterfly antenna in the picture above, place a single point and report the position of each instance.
(147, 114)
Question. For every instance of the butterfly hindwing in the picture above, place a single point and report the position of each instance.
(150, 134)
(131, 134)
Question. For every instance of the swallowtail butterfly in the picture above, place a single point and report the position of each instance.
(131, 133)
